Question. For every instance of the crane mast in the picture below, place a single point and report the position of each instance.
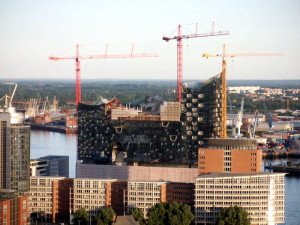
(78, 77)
(179, 65)
(224, 96)
(179, 38)
(225, 55)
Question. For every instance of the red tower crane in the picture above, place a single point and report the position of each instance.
(78, 58)
(179, 38)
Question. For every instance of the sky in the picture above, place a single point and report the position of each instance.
(33, 30)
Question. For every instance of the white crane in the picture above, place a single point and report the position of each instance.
(9, 98)
(238, 121)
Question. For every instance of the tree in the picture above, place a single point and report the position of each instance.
(138, 215)
(170, 213)
(105, 216)
(233, 215)
(81, 217)
(157, 214)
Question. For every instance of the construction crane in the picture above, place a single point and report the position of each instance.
(179, 38)
(225, 55)
(78, 58)
(9, 98)
(239, 119)
(253, 125)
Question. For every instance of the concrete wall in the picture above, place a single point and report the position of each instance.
(136, 173)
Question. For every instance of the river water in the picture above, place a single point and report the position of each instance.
(45, 143)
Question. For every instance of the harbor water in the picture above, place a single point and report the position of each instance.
(45, 143)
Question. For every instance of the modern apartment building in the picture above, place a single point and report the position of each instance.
(90, 194)
(42, 195)
(51, 165)
(230, 155)
(14, 152)
(261, 194)
(144, 195)
(38, 167)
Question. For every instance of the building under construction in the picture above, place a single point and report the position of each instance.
(156, 132)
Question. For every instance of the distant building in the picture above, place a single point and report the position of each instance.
(276, 126)
(230, 155)
(243, 89)
(261, 195)
(13, 208)
(38, 167)
(51, 165)
(14, 152)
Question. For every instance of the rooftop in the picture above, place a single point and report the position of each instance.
(221, 175)
(125, 220)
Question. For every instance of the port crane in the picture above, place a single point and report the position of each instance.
(78, 58)
(9, 98)
(238, 121)
(179, 38)
(224, 56)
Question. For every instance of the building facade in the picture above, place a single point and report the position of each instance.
(181, 193)
(261, 195)
(14, 152)
(144, 195)
(51, 165)
(118, 190)
(13, 208)
(42, 195)
(61, 200)
(201, 112)
(90, 194)
(230, 155)
(137, 173)
(155, 132)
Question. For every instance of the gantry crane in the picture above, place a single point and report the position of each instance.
(179, 38)
(225, 55)
(78, 58)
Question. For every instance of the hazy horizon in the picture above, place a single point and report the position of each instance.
(31, 31)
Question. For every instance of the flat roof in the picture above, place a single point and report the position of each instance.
(222, 175)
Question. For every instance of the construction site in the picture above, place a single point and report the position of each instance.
(157, 132)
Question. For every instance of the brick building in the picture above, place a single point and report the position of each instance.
(61, 200)
(181, 193)
(118, 190)
(230, 155)
(13, 208)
